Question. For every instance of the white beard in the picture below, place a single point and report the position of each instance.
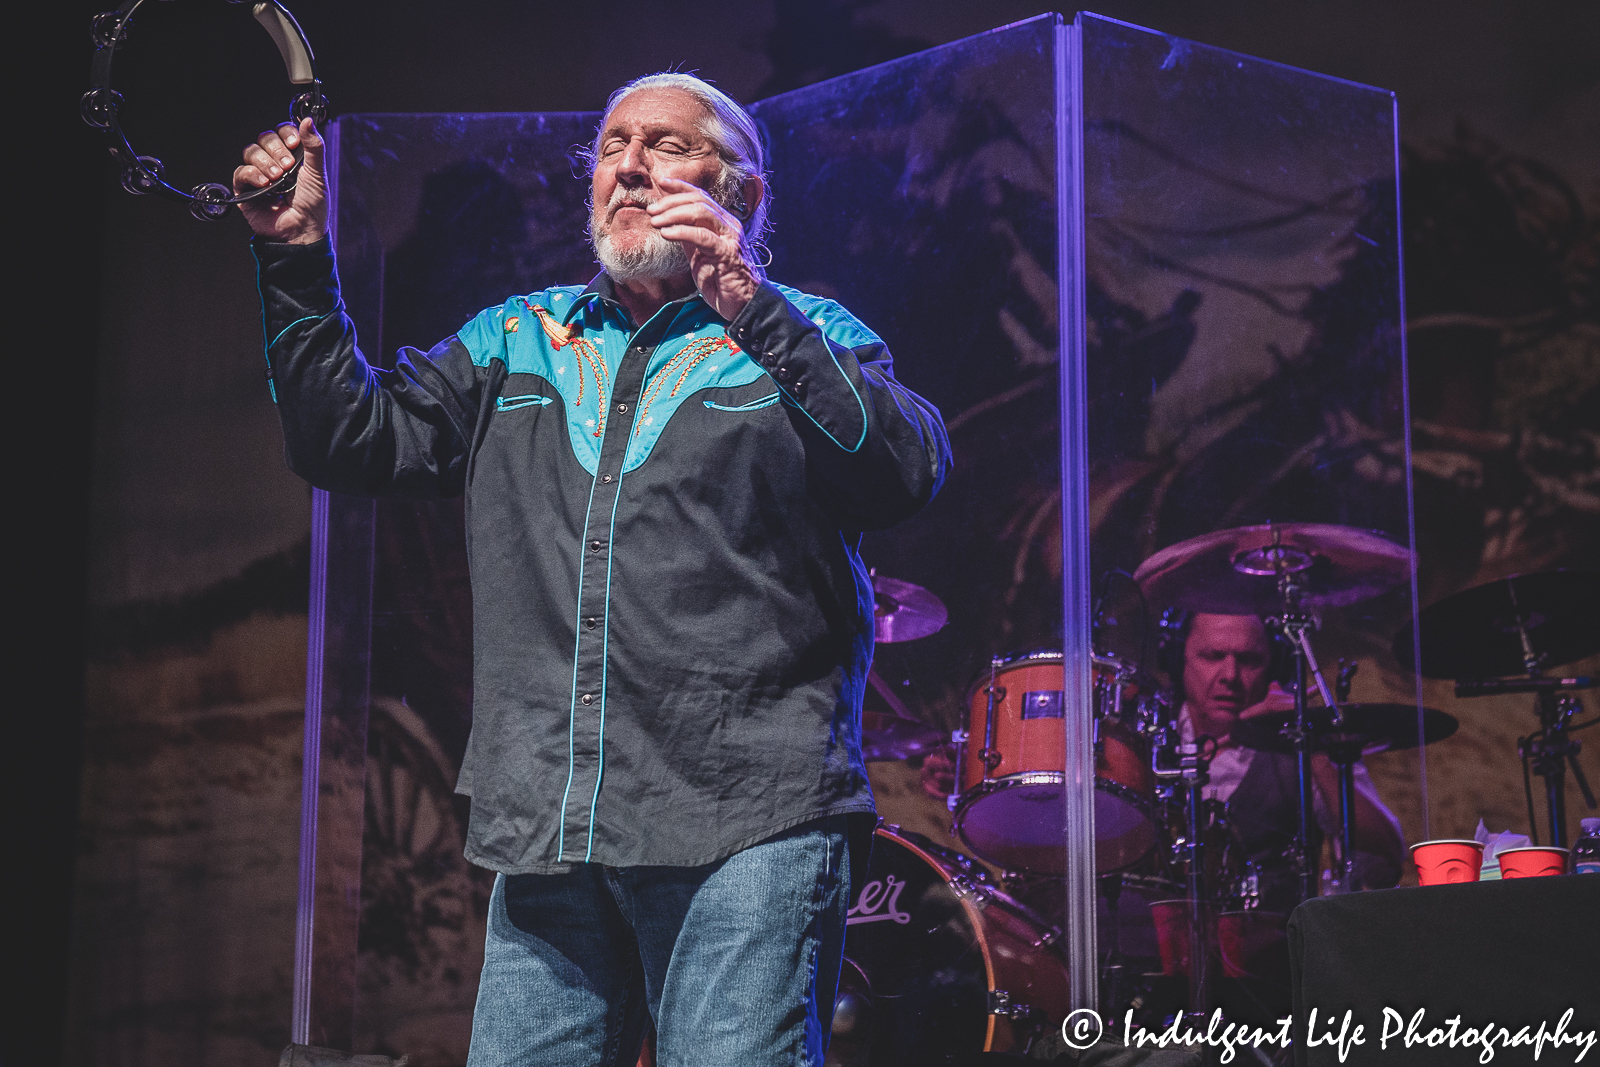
(655, 257)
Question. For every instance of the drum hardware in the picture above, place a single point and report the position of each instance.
(966, 889)
(1248, 888)
(990, 758)
(1548, 753)
(1357, 730)
(1192, 772)
(1488, 687)
(958, 738)
(1290, 568)
(1000, 1004)
(1281, 573)
(1526, 623)
(1294, 626)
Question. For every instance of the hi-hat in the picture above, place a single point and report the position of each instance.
(1237, 571)
(904, 612)
(1477, 633)
(1365, 728)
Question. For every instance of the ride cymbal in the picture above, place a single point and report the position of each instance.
(1476, 634)
(1367, 727)
(1236, 572)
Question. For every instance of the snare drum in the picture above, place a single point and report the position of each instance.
(1013, 813)
(940, 961)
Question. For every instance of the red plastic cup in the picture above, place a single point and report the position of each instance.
(1532, 861)
(1171, 918)
(1448, 860)
(1253, 944)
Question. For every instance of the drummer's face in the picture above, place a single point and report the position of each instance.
(1224, 669)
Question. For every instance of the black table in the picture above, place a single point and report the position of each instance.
(1512, 953)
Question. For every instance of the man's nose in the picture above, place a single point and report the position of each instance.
(634, 168)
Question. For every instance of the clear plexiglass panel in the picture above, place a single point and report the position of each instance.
(1245, 368)
(1205, 242)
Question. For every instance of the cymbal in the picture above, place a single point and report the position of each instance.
(890, 737)
(904, 612)
(1473, 633)
(1235, 572)
(1366, 727)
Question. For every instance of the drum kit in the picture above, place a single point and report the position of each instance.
(958, 950)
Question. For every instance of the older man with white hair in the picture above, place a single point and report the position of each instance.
(667, 474)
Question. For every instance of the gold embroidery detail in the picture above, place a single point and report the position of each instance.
(585, 354)
(688, 358)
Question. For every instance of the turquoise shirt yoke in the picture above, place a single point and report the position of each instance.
(579, 363)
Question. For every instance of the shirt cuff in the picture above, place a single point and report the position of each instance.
(770, 329)
(305, 276)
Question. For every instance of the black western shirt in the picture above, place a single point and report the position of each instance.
(672, 623)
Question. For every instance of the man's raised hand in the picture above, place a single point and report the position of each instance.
(1277, 700)
(714, 241)
(301, 217)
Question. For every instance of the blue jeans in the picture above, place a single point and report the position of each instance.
(737, 961)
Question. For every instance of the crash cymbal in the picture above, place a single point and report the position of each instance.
(904, 612)
(889, 737)
(1366, 727)
(1474, 633)
(1235, 572)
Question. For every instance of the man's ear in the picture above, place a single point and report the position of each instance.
(754, 189)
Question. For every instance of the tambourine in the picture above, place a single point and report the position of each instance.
(143, 174)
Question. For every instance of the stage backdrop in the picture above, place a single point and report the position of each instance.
(184, 907)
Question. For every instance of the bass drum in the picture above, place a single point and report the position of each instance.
(940, 963)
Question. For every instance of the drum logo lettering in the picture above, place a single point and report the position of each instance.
(879, 901)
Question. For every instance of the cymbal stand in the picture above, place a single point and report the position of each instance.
(1192, 771)
(1551, 749)
(1345, 755)
(1286, 563)
(1295, 625)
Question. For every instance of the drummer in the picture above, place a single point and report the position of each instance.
(1225, 677)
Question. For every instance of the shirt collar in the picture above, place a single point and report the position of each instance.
(601, 286)
(606, 290)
